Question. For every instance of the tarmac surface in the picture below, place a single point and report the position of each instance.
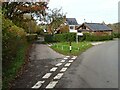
(95, 68)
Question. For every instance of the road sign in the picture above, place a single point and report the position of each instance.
(80, 34)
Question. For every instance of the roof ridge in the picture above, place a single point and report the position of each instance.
(93, 23)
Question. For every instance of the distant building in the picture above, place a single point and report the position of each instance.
(96, 28)
(69, 25)
(72, 23)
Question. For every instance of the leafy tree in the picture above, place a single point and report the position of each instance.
(56, 19)
(15, 11)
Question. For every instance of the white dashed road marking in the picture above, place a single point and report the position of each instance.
(70, 61)
(52, 84)
(58, 64)
(53, 69)
(67, 64)
(65, 58)
(38, 84)
(47, 75)
(63, 69)
(62, 60)
(74, 57)
(58, 76)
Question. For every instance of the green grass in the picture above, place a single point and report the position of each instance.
(77, 48)
(11, 70)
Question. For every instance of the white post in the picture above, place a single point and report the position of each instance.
(76, 38)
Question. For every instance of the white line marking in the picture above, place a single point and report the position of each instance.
(47, 75)
(62, 60)
(53, 69)
(52, 84)
(58, 64)
(38, 84)
(74, 57)
(65, 58)
(70, 61)
(58, 76)
(63, 69)
(67, 64)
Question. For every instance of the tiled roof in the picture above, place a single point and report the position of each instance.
(97, 26)
(71, 21)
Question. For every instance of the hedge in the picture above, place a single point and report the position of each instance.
(92, 37)
(31, 37)
(12, 38)
(116, 35)
(60, 37)
(65, 37)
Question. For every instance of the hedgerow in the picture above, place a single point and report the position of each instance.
(12, 38)
(66, 37)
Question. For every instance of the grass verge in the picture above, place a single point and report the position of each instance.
(77, 48)
(10, 72)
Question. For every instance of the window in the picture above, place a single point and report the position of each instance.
(71, 27)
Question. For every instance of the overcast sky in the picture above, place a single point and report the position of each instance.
(90, 10)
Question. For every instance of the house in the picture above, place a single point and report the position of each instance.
(96, 28)
(72, 23)
(69, 25)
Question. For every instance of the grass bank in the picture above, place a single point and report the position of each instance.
(77, 48)
(12, 69)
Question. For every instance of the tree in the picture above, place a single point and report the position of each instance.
(15, 9)
(56, 19)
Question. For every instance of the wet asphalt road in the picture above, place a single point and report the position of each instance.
(95, 68)
(41, 60)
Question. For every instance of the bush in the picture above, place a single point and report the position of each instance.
(89, 37)
(66, 37)
(31, 37)
(14, 45)
(12, 38)
(116, 35)
(60, 37)
(49, 38)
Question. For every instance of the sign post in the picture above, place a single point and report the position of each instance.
(70, 47)
(78, 34)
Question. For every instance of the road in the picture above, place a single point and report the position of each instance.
(95, 68)
(41, 60)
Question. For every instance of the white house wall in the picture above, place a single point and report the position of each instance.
(72, 30)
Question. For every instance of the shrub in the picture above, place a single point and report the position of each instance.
(89, 37)
(66, 37)
(14, 45)
(31, 37)
(116, 35)
(49, 38)
(12, 38)
(60, 37)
